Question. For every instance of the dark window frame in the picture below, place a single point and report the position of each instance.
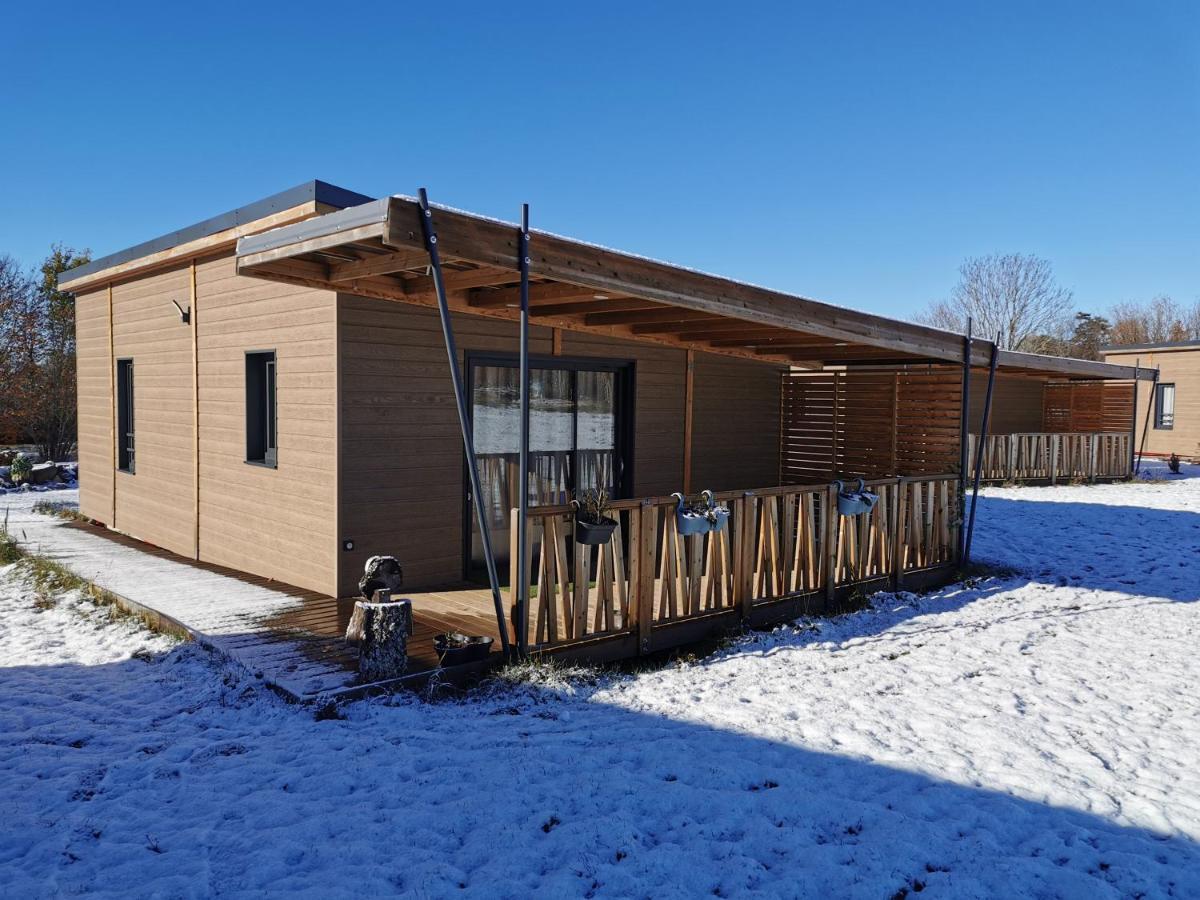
(262, 408)
(1164, 422)
(626, 422)
(126, 428)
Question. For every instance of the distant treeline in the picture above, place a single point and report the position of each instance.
(37, 354)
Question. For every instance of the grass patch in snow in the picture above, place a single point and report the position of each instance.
(60, 509)
(51, 579)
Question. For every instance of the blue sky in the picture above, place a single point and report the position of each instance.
(850, 152)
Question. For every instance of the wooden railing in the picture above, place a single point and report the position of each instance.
(1053, 457)
(780, 543)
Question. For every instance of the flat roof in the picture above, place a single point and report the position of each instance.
(310, 191)
(1165, 345)
(377, 250)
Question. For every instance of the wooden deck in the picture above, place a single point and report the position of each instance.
(314, 629)
(785, 551)
(290, 637)
(321, 622)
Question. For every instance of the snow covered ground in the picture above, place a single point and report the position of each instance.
(1032, 735)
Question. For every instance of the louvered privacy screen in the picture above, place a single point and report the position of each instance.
(869, 424)
(1086, 406)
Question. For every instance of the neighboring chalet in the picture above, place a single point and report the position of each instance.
(269, 391)
(1173, 402)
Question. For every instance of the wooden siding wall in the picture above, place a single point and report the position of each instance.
(95, 406)
(1180, 367)
(735, 431)
(277, 523)
(401, 453)
(1087, 406)
(1016, 403)
(155, 504)
(869, 424)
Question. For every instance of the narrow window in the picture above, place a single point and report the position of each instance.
(125, 415)
(260, 408)
(1164, 406)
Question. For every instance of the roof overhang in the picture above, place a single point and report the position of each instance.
(213, 234)
(377, 250)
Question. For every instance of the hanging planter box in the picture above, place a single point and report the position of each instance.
(702, 518)
(857, 501)
(594, 533)
(454, 649)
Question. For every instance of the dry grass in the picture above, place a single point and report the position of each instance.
(51, 579)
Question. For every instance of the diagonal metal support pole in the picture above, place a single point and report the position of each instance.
(1137, 470)
(464, 422)
(522, 610)
(979, 448)
(964, 432)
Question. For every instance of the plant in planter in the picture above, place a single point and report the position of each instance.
(699, 515)
(593, 525)
(454, 648)
(21, 469)
(857, 501)
(1173, 463)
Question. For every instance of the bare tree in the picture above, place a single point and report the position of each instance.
(1161, 320)
(1012, 295)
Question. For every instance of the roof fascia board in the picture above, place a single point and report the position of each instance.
(1078, 368)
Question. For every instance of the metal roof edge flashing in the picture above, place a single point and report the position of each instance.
(310, 191)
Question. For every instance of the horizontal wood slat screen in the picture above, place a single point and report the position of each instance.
(1087, 406)
(869, 424)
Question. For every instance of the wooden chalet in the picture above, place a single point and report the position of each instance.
(271, 391)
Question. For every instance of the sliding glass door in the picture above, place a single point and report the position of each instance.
(578, 434)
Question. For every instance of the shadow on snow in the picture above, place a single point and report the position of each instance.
(168, 776)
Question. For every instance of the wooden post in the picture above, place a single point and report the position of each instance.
(895, 421)
(1093, 443)
(831, 542)
(899, 511)
(689, 389)
(1055, 441)
(644, 604)
(746, 551)
(194, 320)
(112, 422)
(556, 341)
(514, 563)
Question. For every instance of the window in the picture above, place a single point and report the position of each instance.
(1164, 406)
(260, 408)
(125, 415)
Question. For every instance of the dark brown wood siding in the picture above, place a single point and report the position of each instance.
(1016, 403)
(401, 453)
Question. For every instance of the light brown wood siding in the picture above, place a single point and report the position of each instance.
(95, 405)
(280, 523)
(1180, 367)
(277, 523)
(155, 503)
(401, 458)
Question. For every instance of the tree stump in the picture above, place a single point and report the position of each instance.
(381, 631)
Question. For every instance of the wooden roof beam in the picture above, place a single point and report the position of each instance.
(590, 306)
(731, 332)
(653, 315)
(489, 242)
(540, 293)
(383, 264)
